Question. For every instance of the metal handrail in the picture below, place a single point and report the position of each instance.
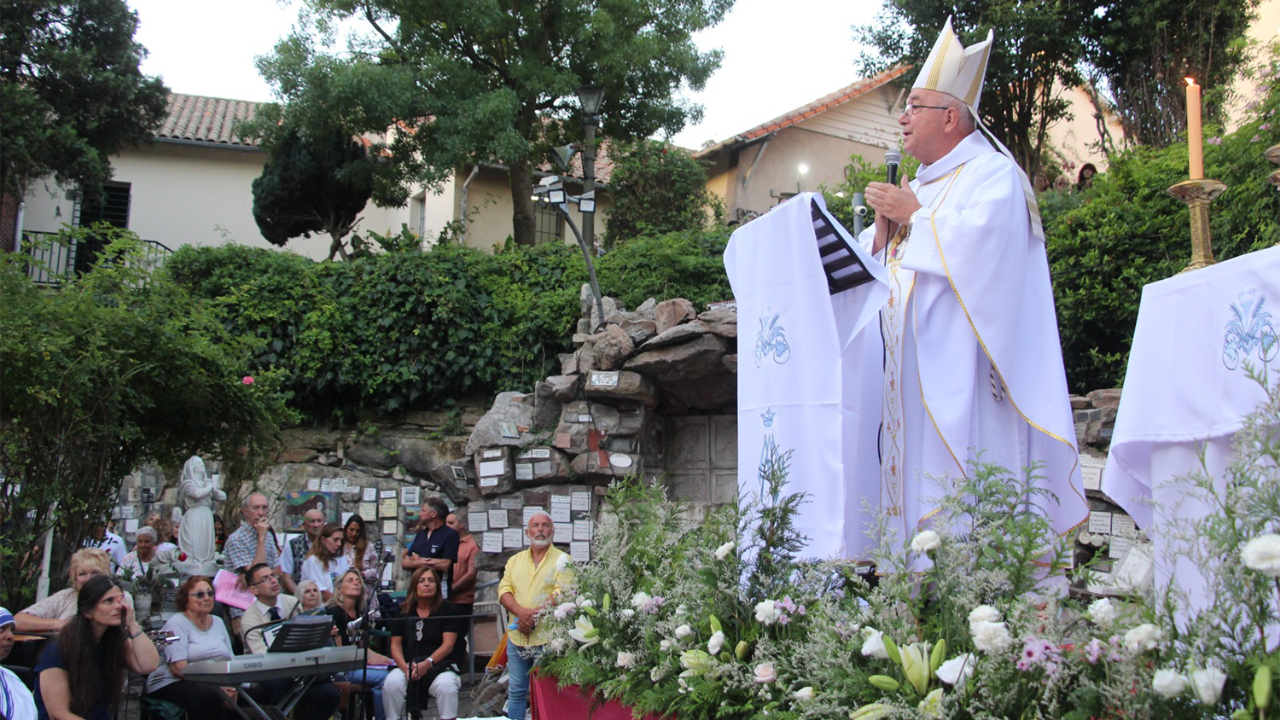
(53, 260)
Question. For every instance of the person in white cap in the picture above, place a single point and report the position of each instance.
(969, 337)
(16, 700)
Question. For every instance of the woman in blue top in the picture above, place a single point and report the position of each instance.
(82, 670)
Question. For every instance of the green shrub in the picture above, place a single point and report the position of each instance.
(395, 331)
(1126, 231)
(686, 264)
(658, 188)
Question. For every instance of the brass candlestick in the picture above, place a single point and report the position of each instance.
(1273, 154)
(1197, 194)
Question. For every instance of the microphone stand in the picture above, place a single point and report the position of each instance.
(366, 636)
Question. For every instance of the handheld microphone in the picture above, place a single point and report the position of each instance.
(893, 158)
(354, 625)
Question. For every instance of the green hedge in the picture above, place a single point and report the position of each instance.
(1126, 231)
(400, 331)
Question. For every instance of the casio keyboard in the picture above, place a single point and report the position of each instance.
(270, 666)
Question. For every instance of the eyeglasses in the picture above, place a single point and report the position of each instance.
(911, 108)
(202, 594)
(262, 580)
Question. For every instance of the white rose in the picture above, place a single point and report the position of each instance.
(874, 646)
(804, 693)
(562, 562)
(564, 610)
(628, 612)
(765, 673)
(586, 602)
(716, 643)
(666, 644)
(1263, 554)
(767, 612)
(925, 541)
(556, 645)
(984, 613)
(1207, 684)
(1102, 612)
(1144, 637)
(956, 670)
(723, 551)
(640, 599)
(990, 637)
(1168, 683)
(626, 660)
(683, 632)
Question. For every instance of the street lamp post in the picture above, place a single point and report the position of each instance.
(591, 96)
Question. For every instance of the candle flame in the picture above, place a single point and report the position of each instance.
(1190, 80)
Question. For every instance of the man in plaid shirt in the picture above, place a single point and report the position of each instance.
(252, 543)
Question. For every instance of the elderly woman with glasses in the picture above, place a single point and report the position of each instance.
(201, 636)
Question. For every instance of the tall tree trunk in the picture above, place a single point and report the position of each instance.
(524, 227)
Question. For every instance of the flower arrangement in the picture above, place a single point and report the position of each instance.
(717, 616)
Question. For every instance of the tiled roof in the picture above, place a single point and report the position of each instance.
(206, 119)
(835, 99)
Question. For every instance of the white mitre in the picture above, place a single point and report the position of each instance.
(955, 69)
(958, 71)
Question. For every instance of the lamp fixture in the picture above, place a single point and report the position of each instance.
(591, 97)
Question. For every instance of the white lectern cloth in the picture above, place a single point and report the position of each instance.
(791, 394)
(1185, 389)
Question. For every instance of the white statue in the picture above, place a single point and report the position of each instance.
(196, 534)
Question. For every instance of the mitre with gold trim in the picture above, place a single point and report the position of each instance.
(955, 69)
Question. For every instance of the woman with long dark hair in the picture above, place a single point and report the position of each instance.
(81, 671)
(426, 649)
(325, 562)
(360, 554)
(201, 635)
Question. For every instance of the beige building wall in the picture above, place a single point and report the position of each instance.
(489, 211)
(822, 144)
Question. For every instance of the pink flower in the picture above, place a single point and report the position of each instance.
(1214, 141)
(247, 380)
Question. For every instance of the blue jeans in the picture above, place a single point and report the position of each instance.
(373, 678)
(520, 661)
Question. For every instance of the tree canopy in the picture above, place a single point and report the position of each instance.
(1139, 53)
(1135, 52)
(657, 188)
(71, 91)
(117, 366)
(493, 82)
(312, 185)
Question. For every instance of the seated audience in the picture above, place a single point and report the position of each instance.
(426, 649)
(269, 607)
(16, 701)
(81, 671)
(325, 562)
(54, 612)
(201, 636)
(309, 600)
(348, 605)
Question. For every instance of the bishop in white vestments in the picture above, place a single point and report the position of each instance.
(969, 336)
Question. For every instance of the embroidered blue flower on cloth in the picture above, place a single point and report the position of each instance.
(1250, 328)
(771, 339)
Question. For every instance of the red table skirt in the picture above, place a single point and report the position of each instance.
(552, 703)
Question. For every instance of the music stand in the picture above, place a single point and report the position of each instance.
(305, 632)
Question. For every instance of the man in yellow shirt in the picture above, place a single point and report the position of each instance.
(530, 582)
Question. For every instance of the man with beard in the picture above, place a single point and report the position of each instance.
(531, 581)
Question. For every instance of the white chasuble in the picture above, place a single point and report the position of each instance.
(971, 356)
(792, 409)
